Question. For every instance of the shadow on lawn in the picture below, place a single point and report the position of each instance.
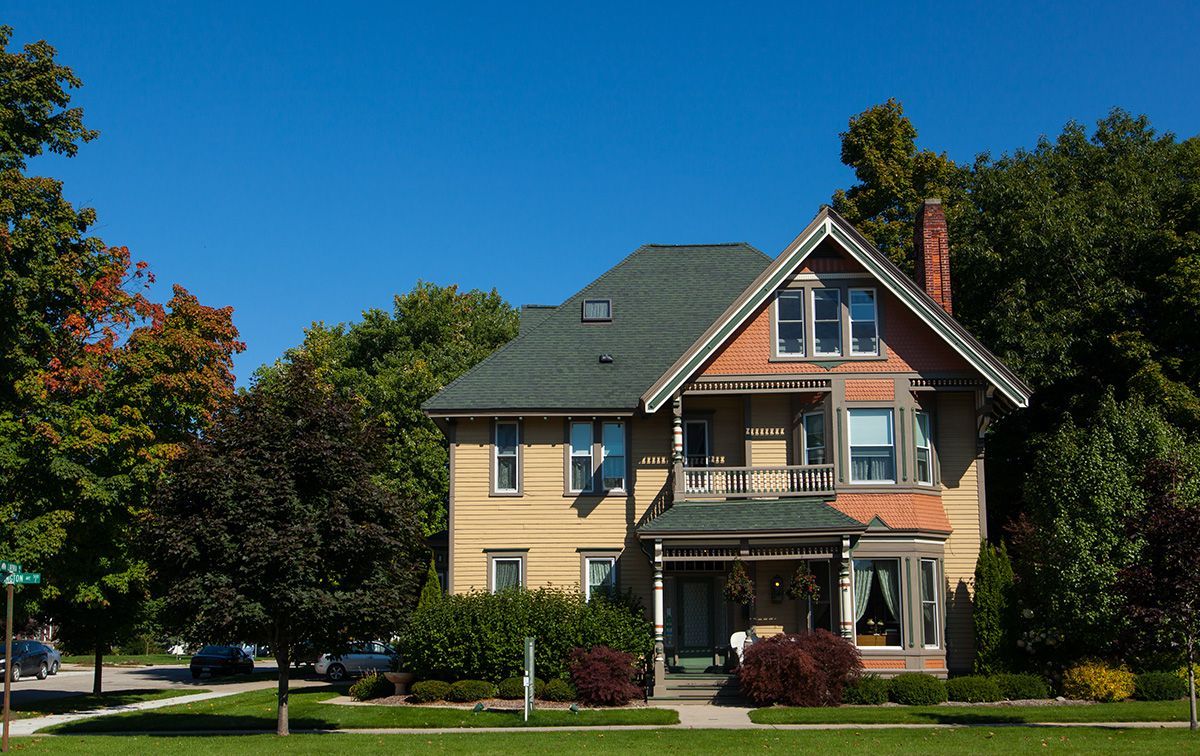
(972, 718)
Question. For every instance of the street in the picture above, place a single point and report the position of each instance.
(73, 680)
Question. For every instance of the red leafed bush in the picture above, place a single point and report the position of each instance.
(603, 676)
(810, 669)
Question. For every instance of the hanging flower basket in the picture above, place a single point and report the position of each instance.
(739, 588)
(804, 586)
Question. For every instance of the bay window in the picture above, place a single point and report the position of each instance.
(924, 451)
(929, 603)
(877, 602)
(872, 446)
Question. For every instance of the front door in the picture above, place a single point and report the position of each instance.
(695, 623)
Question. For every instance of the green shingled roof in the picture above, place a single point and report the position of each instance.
(767, 515)
(663, 298)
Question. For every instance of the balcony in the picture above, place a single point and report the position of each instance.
(702, 482)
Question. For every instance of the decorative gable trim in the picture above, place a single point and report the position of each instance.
(830, 224)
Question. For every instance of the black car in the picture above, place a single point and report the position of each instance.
(29, 658)
(221, 660)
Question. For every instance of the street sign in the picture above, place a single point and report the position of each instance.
(23, 578)
(9, 567)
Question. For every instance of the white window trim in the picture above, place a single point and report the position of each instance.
(918, 414)
(591, 478)
(937, 629)
(504, 558)
(850, 445)
(900, 598)
(799, 293)
(516, 456)
(815, 346)
(624, 455)
(587, 573)
(851, 321)
(804, 435)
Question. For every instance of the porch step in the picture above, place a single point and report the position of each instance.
(700, 688)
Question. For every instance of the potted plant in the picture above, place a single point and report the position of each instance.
(739, 588)
(804, 586)
(400, 679)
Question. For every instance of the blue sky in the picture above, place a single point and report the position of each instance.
(304, 162)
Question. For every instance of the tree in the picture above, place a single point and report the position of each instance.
(270, 527)
(994, 610)
(99, 385)
(396, 361)
(1072, 543)
(1162, 587)
(431, 592)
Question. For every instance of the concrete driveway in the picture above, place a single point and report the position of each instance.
(73, 680)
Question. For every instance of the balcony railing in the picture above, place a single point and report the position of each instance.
(744, 482)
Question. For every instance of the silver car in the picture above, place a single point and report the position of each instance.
(372, 656)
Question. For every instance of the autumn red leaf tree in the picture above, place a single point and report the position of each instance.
(99, 384)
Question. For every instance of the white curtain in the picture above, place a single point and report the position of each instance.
(888, 585)
(508, 573)
(864, 572)
(599, 575)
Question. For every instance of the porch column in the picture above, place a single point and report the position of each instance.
(677, 443)
(846, 605)
(660, 653)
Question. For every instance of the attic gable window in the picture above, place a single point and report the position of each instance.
(597, 310)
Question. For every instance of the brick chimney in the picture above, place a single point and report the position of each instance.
(932, 246)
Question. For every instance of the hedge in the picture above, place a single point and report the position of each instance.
(428, 691)
(1159, 686)
(1022, 687)
(513, 689)
(917, 689)
(559, 690)
(482, 635)
(1096, 681)
(373, 685)
(868, 690)
(467, 691)
(973, 689)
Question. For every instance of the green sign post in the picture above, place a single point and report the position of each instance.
(13, 576)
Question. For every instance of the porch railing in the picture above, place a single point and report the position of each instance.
(745, 482)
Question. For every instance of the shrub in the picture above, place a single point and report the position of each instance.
(373, 685)
(603, 676)
(558, 690)
(973, 689)
(994, 609)
(1095, 681)
(1159, 686)
(466, 691)
(427, 691)
(870, 690)
(482, 635)
(1022, 687)
(513, 689)
(810, 669)
(917, 689)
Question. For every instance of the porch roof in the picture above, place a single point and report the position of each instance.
(757, 516)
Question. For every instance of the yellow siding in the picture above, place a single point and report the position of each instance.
(956, 437)
(553, 527)
(770, 423)
(726, 427)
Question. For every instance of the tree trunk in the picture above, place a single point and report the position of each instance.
(98, 672)
(1191, 654)
(283, 659)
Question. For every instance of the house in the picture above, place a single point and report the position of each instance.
(701, 404)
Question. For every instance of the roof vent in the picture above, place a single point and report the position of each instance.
(606, 359)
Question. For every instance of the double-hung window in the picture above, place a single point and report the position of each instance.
(789, 323)
(872, 446)
(507, 453)
(506, 573)
(864, 322)
(613, 462)
(581, 457)
(827, 322)
(601, 576)
(814, 438)
(924, 452)
(929, 603)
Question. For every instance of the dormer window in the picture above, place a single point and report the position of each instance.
(789, 322)
(827, 322)
(597, 310)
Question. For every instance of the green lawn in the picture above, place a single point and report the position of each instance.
(1124, 711)
(1000, 740)
(120, 660)
(256, 711)
(88, 702)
